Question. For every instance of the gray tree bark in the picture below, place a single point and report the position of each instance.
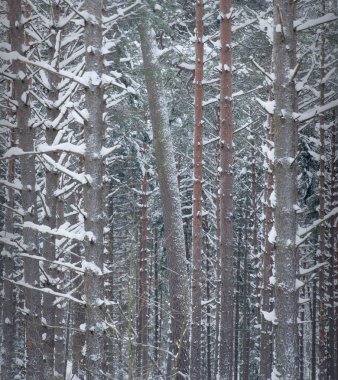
(94, 135)
(171, 207)
(9, 295)
(266, 348)
(226, 197)
(51, 184)
(34, 357)
(286, 257)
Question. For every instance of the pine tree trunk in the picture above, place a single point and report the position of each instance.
(314, 330)
(286, 257)
(142, 323)
(246, 338)
(196, 280)
(218, 265)
(61, 321)
(266, 348)
(34, 362)
(333, 362)
(333, 320)
(237, 305)
(322, 365)
(156, 302)
(94, 135)
(52, 178)
(226, 196)
(9, 295)
(208, 279)
(171, 207)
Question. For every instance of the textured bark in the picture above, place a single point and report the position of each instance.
(322, 365)
(196, 280)
(301, 338)
(157, 321)
(246, 339)
(226, 198)
(286, 257)
(208, 279)
(34, 359)
(171, 207)
(142, 323)
(9, 295)
(314, 330)
(60, 349)
(237, 304)
(218, 265)
(255, 238)
(94, 134)
(333, 271)
(51, 184)
(266, 349)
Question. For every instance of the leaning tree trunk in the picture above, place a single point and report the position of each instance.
(226, 200)
(196, 281)
(286, 257)
(94, 134)
(171, 206)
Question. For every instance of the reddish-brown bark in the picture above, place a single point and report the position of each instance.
(195, 365)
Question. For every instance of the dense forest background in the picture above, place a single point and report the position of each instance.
(168, 189)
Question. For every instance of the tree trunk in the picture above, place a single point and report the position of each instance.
(333, 366)
(286, 258)
(333, 311)
(196, 280)
(52, 178)
(226, 196)
(34, 363)
(142, 323)
(171, 207)
(94, 135)
(237, 305)
(9, 295)
(322, 364)
(266, 348)
(246, 340)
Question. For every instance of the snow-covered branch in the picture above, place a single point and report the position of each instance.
(315, 111)
(299, 25)
(303, 233)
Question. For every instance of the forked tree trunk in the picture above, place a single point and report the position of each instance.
(286, 257)
(196, 280)
(171, 206)
(94, 135)
(226, 196)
